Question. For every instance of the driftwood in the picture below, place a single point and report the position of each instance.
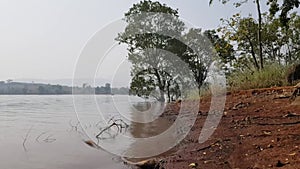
(119, 123)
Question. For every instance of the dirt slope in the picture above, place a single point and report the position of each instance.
(261, 129)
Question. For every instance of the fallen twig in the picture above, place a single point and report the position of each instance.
(274, 124)
(108, 127)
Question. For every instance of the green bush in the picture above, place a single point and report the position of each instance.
(271, 76)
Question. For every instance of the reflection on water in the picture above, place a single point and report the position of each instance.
(141, 106)
(148, 129)
(143, 119)
(141, 129)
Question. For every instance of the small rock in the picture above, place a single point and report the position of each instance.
(193, 165)
(282, 96)
(290, 115)
(280, 164)
(239, 106)
(267, 133)
(207, 161)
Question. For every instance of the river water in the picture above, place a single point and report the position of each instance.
(41, 132)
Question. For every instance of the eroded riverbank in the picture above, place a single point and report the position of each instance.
(259, 129)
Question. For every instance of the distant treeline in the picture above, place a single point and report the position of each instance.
(19, 88)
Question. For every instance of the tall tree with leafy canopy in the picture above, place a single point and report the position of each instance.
(280, 45)
(238, 3)
(151, 66)
(225, 51)
(199, 54)
(243, 33)
(161, 50)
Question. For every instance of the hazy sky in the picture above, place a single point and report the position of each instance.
(42, 39)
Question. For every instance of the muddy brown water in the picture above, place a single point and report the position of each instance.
(41, 132)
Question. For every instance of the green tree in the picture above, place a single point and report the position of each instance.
(225, 51)
(199, 54)
(243, 33)
(150, 66)
(238, 3)
(158, 54)
(280, 45)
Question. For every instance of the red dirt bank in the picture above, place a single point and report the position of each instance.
(261, 129)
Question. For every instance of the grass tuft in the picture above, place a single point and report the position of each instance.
(271, 76)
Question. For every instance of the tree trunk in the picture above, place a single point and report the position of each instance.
(259, 34)
(289, 54)
(161, 86)
(162, 96)
(168, 91)
(253, 55)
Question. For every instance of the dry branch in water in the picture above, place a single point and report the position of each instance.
(119, 123)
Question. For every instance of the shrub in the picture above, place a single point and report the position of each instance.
(271, 76)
